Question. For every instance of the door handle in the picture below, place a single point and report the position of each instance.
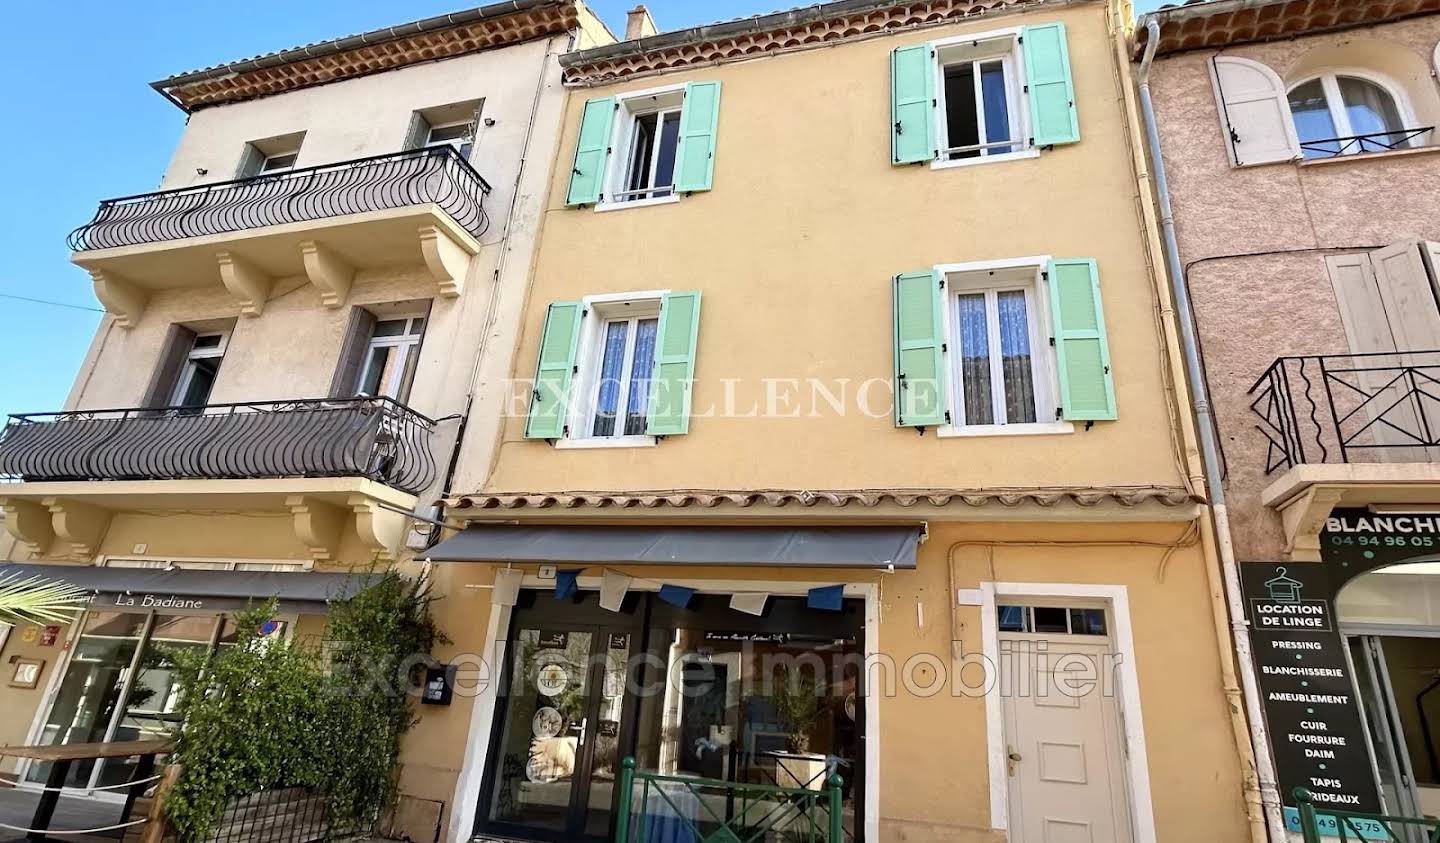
(584, 724)
(1012, 759)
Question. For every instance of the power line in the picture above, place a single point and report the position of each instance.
(52, 303)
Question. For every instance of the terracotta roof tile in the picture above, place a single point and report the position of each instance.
(1209, 24)
(859, 498)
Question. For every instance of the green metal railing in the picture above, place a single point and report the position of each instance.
(752, 812)
(1353, 826)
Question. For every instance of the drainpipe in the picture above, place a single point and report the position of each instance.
(1210, 455)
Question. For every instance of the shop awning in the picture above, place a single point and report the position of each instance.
(812, 547)
(157, 588)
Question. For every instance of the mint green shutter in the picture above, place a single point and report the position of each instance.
(919, 350)
(551, 393)
(912, 104)
(699, 118)
(592, 150)
(1052, 89)
(672, 383)
(1087, 389)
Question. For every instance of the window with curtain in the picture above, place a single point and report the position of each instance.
(996, 330)
(622, 397)
(1346, 115)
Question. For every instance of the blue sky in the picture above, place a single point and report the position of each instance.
(92, 128)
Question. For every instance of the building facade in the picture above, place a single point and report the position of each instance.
(295, 323)
(1285, 131)
(844, 354)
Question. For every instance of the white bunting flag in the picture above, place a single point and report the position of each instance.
(613, 588)
(750, 604)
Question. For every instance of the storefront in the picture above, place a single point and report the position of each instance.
(725, 691)
(1348, 652)
(112, 679)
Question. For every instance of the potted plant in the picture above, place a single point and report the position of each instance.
(797, 699)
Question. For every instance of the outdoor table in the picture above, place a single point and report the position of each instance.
(62, 756)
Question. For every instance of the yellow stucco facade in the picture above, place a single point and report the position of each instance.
(794, 250)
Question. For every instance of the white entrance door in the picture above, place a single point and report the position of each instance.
(1063, 735)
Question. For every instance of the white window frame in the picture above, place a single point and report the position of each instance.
(1043, 362)
(1009, 49)
(622, 137)
(187, 371)
(408, 343)
(265, 170)
(1330, 83)
(460, 143)
(600, 310)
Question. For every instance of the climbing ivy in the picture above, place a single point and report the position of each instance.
(270, 713)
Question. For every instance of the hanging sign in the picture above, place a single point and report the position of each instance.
(1316, 732)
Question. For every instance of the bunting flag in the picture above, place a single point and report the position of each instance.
(676, 595)
(828, 597)
(507, 587)
(750, 604)
(613, 588)
(566, 584)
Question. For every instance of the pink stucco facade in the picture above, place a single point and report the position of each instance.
(1253, 240)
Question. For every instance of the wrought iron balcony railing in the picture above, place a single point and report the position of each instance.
(1372, 142)
(376, 438)
(397, 180)
(1349, 408)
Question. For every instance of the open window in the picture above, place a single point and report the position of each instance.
(984, 97)
(189, 365)
(270, 156)
(454, 125)
(381, 351)
(646, 147)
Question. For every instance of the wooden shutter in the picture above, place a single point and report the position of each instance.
(553, 370)
(1053, 119)
(912, 104)
(919, 350)
(352, 353)
(699, 119)
(161, 389)
(1431, 252)
(1254, 112)
(418, 132)
(1407, 296)
(592, 150)
(673, 381)
(1087, 387)
(251, 160)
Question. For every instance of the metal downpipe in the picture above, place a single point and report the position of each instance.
(1210, 455)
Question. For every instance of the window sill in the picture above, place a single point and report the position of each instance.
(638, 203)
(1039, 429)
(985, 159)
(1366, 156)
(606, 442)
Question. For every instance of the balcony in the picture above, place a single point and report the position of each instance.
(63, 474)
(419, 207)
(1348, 429)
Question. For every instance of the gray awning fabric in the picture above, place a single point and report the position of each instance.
(812, 547)
(206, 585)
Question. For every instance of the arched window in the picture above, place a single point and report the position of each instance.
(1339, 114)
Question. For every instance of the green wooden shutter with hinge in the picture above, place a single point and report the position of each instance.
(919, 350)
(551, 392)
(1087, 388)
(592, 150)
(699, 119)
(673, 381)
(1053, 119)
(912, 104)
